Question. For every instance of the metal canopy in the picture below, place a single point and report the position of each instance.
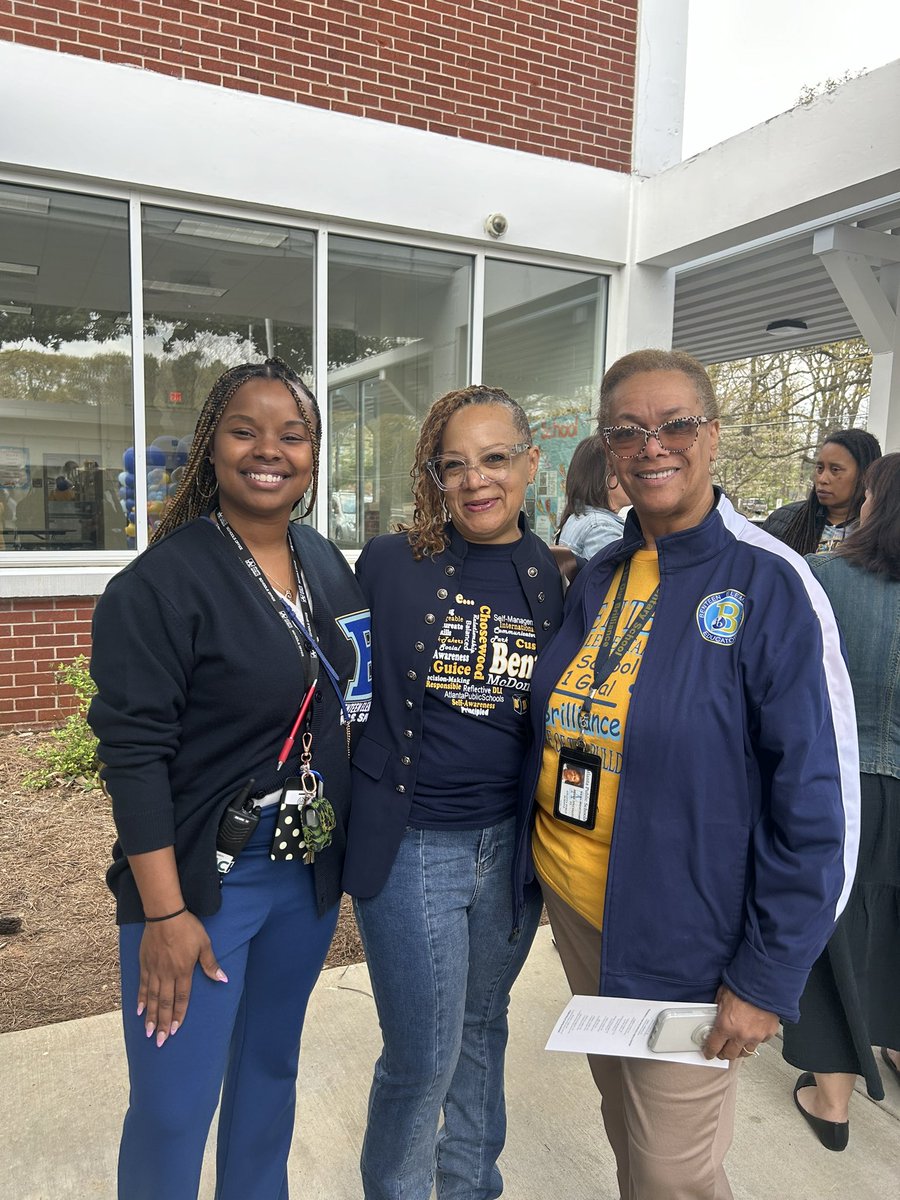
(723, 304)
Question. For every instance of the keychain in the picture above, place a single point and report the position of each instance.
(317, 819)
(306, 818)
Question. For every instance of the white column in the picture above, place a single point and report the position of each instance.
(848, 254)
(659, 91)
(884, 396)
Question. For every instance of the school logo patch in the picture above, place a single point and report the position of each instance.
(720, 616)
(357, 629)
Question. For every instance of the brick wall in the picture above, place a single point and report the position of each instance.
(35, 636)
(554, 78)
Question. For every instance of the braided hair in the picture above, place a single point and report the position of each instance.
(198, 487)
(426, 534)
(805, 529)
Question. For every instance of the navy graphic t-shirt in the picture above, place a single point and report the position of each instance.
(475, 714)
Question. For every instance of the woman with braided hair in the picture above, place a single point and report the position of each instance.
(228, 660)
(463, 602)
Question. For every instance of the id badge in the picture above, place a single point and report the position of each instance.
(577, 786)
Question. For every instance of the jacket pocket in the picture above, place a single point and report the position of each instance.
(370, 758)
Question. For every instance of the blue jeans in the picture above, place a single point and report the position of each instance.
(271, 944)
(442, 959)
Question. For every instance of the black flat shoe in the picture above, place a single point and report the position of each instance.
(892, 1066)
(834, 1135)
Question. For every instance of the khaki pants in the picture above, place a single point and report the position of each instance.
(670, 1125)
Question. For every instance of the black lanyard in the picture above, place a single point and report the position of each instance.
(301, 631)
(307, 647)
(608, 655)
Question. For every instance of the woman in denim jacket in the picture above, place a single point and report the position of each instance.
(851, 997)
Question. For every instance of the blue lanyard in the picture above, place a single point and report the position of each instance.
(329, 669)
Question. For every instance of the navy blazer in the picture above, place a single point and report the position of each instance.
(409, 601)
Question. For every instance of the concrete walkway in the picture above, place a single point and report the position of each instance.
(63, 1091)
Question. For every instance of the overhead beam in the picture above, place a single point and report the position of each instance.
(867, 242)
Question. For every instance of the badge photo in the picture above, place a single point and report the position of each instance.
(577, 786)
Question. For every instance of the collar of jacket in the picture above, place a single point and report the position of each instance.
(458, 546)
(686, 547)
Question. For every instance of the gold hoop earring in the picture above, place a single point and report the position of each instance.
(206, 493)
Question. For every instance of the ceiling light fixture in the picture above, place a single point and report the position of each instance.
(184, 289)
(17, 269)
(220, 231)
(785, 327)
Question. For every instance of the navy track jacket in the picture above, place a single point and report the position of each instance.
(737, 824)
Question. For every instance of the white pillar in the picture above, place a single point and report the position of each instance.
(659, 91)
(848, 255)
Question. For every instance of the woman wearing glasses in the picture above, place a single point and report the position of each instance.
(698, 685)
(464, 601)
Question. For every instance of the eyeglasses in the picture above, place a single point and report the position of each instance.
(628, 441)
(450, 472)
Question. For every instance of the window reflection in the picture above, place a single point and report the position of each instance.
(217, 292)
(398, 337)
(65, 370)
(544, 333)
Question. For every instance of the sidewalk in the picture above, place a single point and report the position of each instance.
(64, 1090)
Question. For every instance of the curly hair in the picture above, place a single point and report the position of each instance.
(805, 529)
(426, 534)
(875, 546)
(196, 493)
(640, 361)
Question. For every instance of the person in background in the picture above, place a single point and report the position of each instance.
(697, 681)
(851, 998)
(830, 512)
(463, 602)
(593, 498)
(236, 631)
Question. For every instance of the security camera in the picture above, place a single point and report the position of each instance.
(495, 225)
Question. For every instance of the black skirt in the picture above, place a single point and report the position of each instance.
(852, 999)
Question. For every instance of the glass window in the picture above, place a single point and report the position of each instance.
(65, 370)
(544, 333)
(217, 292)
(398, 337)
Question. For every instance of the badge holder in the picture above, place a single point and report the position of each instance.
(577, 788)
(306, 818)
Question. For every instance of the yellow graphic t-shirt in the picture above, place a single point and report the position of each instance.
(570, 859)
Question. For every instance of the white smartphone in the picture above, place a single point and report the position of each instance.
(679, 1029)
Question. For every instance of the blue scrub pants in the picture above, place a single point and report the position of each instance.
(240, 1037)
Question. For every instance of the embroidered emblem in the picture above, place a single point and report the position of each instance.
(357, 629)
(720, 616)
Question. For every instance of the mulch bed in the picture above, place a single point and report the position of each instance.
(58, 945)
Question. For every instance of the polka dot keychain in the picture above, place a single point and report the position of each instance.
(305, 817)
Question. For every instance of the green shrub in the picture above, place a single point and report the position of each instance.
(71, 754)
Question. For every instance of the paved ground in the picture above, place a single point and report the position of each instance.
(63, 1092)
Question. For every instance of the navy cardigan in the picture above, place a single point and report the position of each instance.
(198, 684)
